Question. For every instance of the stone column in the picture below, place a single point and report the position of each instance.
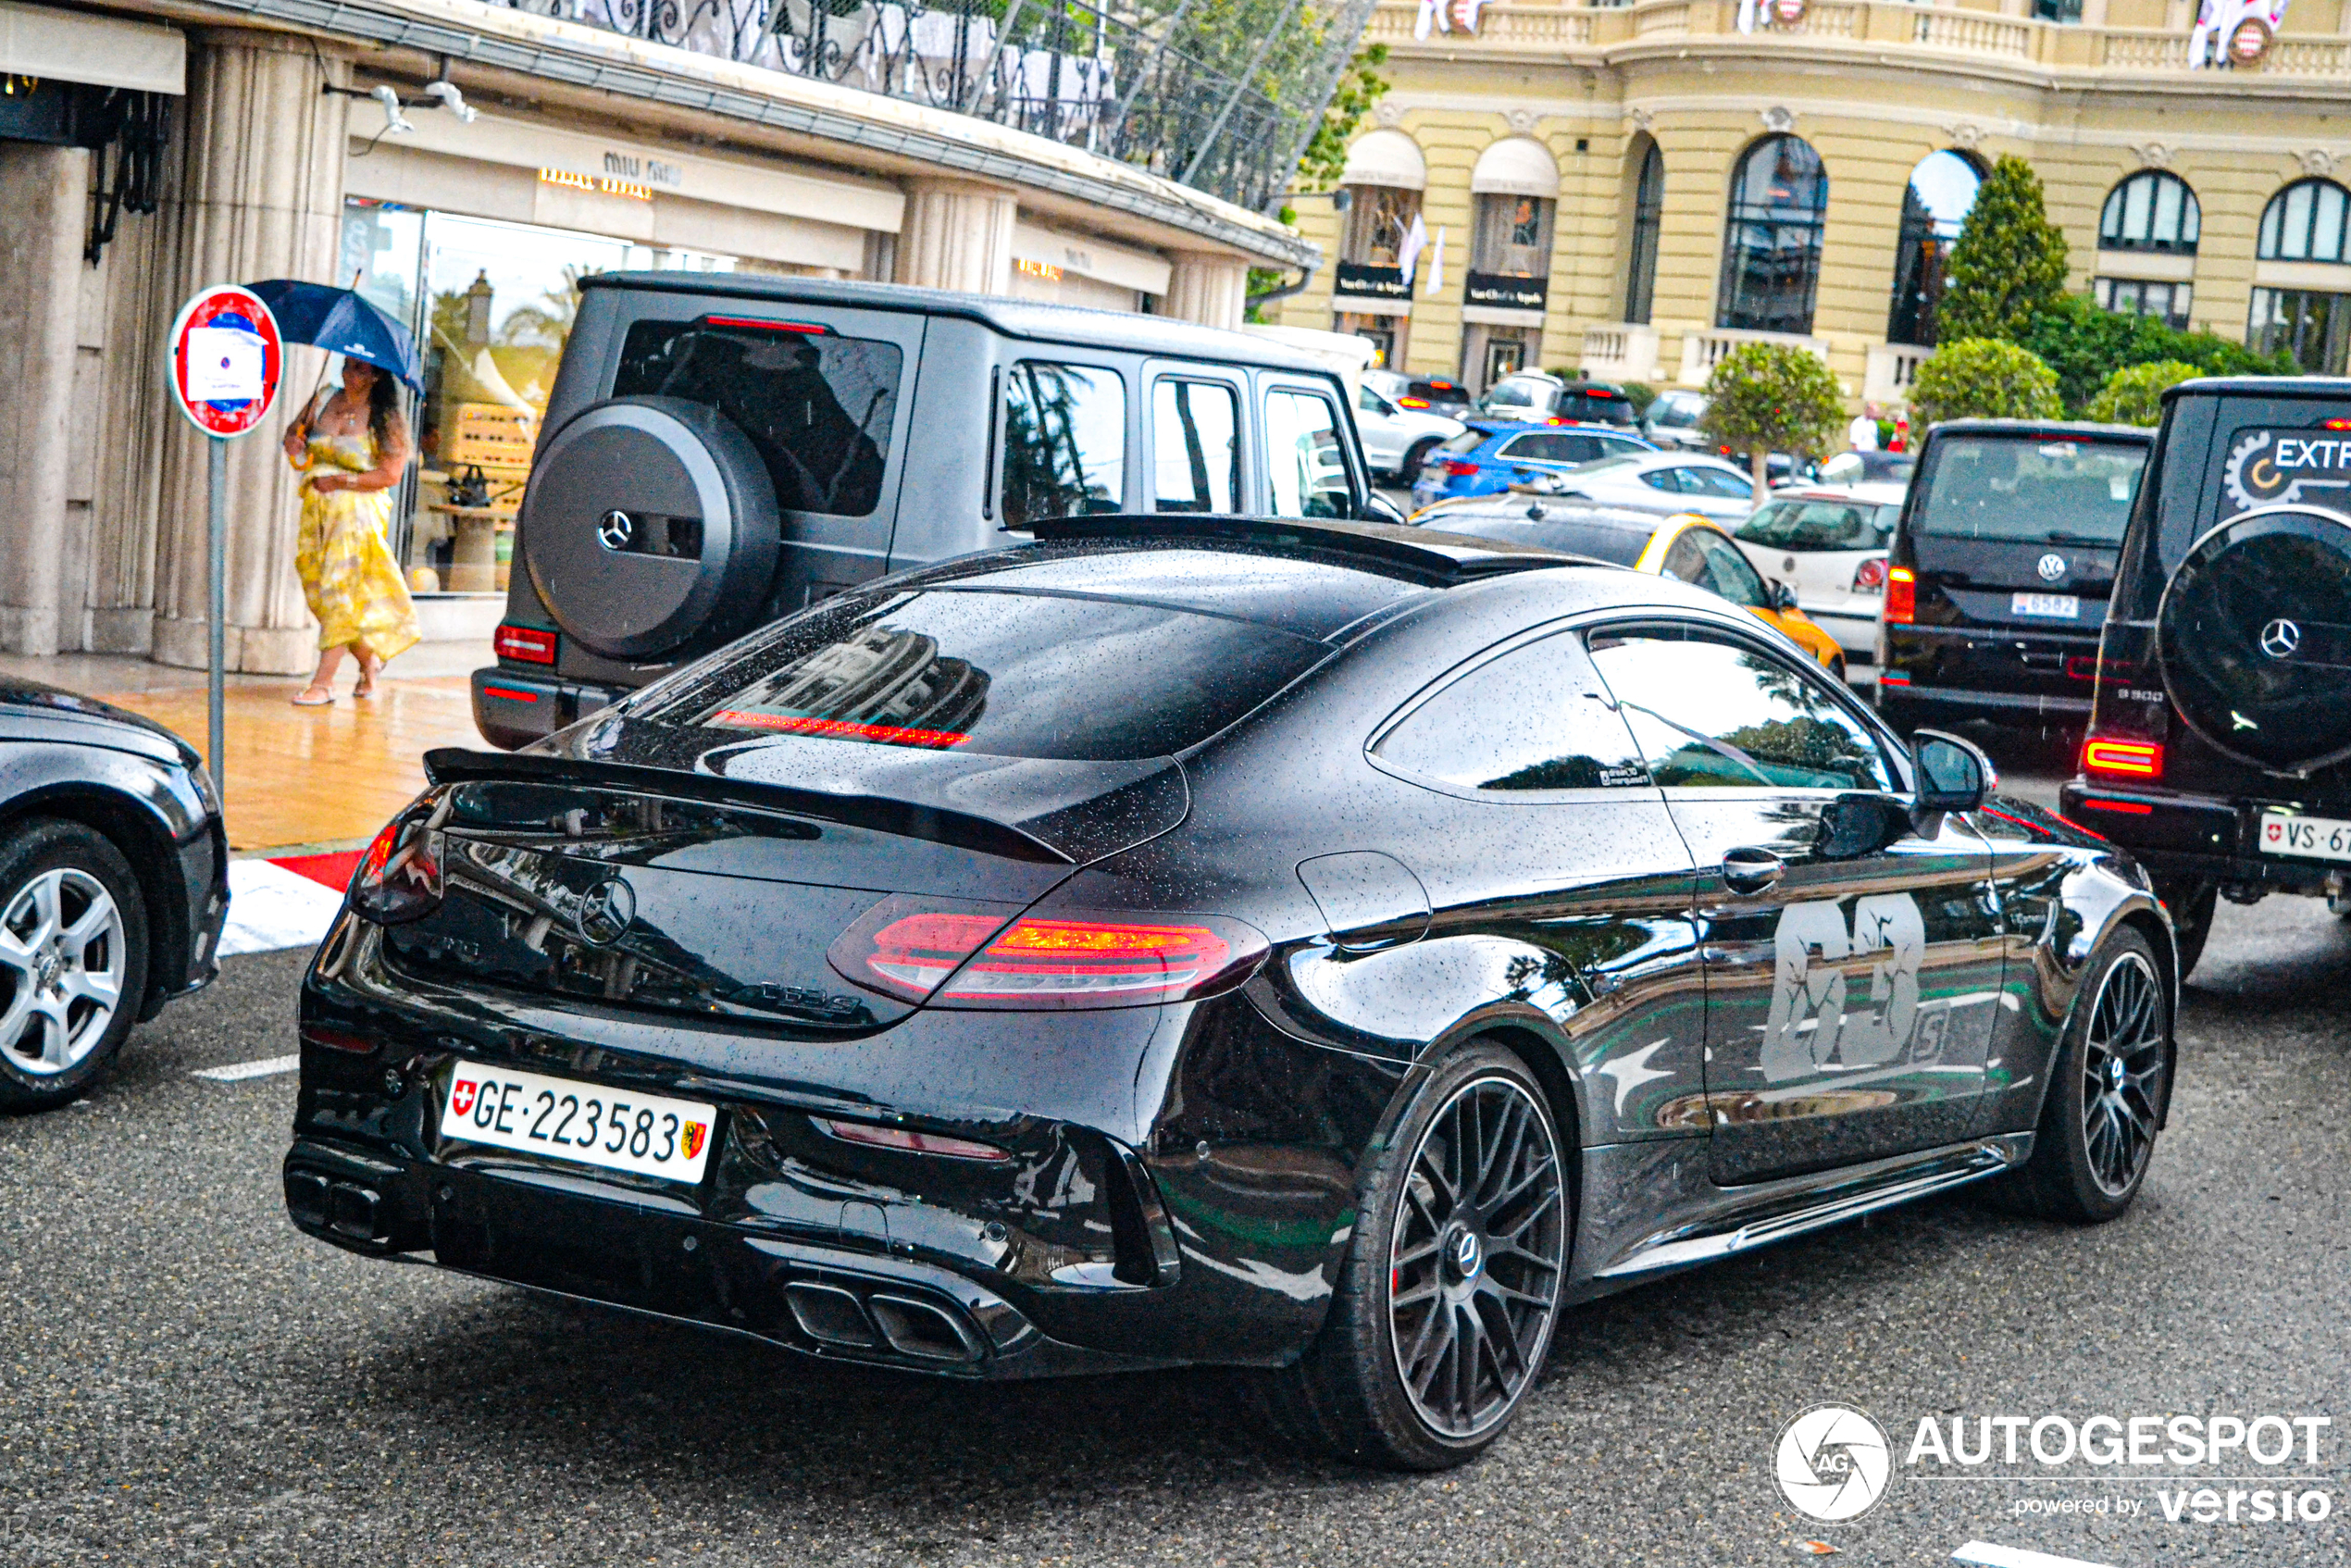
(1210, 289)
(260, 196)
(44, 197)
(957, 235)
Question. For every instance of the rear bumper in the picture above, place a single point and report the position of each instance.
(1856, 631)
(2182, 836)
(514, 707)
(1989, 671)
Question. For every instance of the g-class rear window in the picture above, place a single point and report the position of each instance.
(816, 406)
(2029, 489)
(1064, 677)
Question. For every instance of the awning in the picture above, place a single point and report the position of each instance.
(39, 41)
(1386, 158)
(1517, 167)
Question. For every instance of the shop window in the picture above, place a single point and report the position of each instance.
(1196, 449)
(1649, 214)
(2151, 211)
(2305, 222)
(1513, 236)
(1934, 205)
(1772, 239)
(1305, 459)
(819, 408)
(1379, 216)
(1064, 442)
(2312, 326)
(2144, 296)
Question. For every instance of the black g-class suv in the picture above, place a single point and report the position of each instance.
(2220, 746)
(721, 449)
(1999, 570)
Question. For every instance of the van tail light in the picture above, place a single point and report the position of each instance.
(524, 644)
(1456, 468)
(399, 879)
(2123, 759)
(1870, 576)
(1901, 595)
(956, 953)
(910, 1141)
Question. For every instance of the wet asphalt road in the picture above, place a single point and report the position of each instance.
(184, 1379)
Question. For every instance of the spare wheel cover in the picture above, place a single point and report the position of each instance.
(649, 521)
(2255, 638)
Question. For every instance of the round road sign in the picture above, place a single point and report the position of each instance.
(224, 360)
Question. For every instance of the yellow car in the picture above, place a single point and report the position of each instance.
(1685, 545)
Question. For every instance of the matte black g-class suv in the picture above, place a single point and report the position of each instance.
(2219, 745)
(722, 449)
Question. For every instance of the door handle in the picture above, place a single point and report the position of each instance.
(1751, 870)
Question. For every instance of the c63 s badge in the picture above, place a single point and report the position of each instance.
(1815, 1018)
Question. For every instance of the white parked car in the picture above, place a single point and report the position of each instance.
(1828, 543)
(1396, 439)
(1664, 482)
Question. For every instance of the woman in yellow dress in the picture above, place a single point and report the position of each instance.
(350, 451)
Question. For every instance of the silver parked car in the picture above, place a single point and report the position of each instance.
(1663, 482)
(1398, 440)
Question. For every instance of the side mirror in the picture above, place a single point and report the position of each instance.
(1783, 596)
(1378, 508)
(1953, 775)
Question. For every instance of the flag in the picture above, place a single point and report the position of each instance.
(1432, 15)
(1747, 14)
(1408, 251)
(1436, 263)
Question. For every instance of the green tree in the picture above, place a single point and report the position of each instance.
(2134, 394)
(2085, 345)
(1360, 87)
(1984, 378)
(1768, 397)
(2009, 261)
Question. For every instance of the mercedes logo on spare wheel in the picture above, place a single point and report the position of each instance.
(605, 913)
(615, 528)
(2052, 567)
(2281, 638)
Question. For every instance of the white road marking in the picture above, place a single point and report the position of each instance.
(237, 1071)
(1984, 1554)
(270, 907)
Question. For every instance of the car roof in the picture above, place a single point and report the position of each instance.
(1609, 534)
(1014, 318)
(2051, 428)
(1874, 492)
(2260, 386)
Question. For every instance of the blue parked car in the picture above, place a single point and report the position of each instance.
(1493, 454)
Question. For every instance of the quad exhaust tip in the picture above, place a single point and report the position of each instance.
(847, 1319)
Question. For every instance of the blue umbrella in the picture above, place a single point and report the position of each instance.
(341, 322)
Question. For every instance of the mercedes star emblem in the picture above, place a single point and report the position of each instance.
(616, 528)
(2281, 638)
(2052, 567)
(605, 913)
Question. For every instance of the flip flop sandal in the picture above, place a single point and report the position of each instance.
(303, 699)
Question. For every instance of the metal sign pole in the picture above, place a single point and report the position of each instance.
(216, 532)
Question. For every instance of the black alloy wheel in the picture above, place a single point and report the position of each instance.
(1415, 458)
(1446, 1307)
(2110, 1084)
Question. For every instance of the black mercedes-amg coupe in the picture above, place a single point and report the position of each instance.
(1324, 948)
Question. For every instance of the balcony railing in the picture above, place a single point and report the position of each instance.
(1218, 95)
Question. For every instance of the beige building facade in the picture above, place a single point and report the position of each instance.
(1800, 181)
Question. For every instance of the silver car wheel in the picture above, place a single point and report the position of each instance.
(62, 957)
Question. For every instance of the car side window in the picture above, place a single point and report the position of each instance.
(1369, 402)
(1541, 446)
(1196, 448)
(1714, 482)
(1535, 718)
(1711, 712)
(1667, 480)
(1726, 571)
(1064, 442)
(1305, 458)
(1684, 559)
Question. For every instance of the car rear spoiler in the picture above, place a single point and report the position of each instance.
(453, 765)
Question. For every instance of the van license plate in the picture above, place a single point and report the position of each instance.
(648, 1134)
(2053, 606)
(2318, 837)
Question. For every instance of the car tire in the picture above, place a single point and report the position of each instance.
(2192, 905)
(71, 905)
(2094, 1141)
(1414, 456)
(1378, 1386)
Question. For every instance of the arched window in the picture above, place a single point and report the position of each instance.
(2305, 222)
(1941, 191)
(2151, 211)
(1772, 239)
(1649, 212)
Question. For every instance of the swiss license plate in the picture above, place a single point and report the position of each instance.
(2319, 838)
(589, 1123)
(2054, 606)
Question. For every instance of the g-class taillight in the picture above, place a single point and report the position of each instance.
(2123, 759)
(1901, 595)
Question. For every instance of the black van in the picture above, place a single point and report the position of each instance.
(1999, 571)
(2218, 751)
(723, 449)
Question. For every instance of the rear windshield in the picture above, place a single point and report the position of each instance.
(1819, 525)
(1598, 408)
(1677, 410)
(816, 406)
(2033, 490)
(1510, 393)
(1066, 679)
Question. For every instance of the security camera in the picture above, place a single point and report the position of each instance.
(395, 123)
(452, 100)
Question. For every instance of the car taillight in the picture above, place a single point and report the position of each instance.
(1901, 594)
(399, 879)
(2126, 759)
(911, 1142)
(957, 954)
(1456, 468)
(525, 644)
(1411, 403)
(1870, 576)
(2082, 666)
